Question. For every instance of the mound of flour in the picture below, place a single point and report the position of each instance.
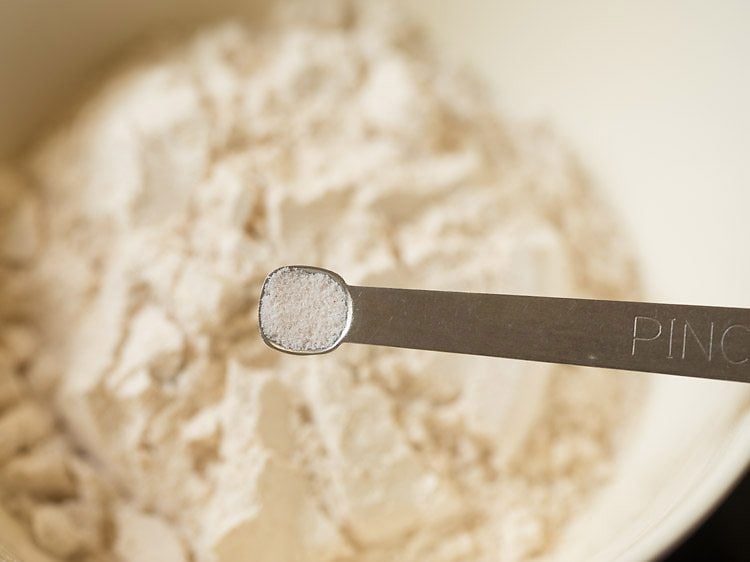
(142, 417)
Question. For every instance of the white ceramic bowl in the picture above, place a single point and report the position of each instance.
(655, 99)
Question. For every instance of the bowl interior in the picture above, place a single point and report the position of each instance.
(654, 101)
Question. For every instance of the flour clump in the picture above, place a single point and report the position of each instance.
(141, 415)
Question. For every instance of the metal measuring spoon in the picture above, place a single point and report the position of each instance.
(697, 341)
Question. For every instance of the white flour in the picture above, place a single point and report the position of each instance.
(141, 416)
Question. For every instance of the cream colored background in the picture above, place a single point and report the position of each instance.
(653, 95)
(656, 96)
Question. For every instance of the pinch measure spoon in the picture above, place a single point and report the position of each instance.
(320, 312)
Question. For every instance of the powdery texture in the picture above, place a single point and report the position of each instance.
(302, 310)
(141, 415)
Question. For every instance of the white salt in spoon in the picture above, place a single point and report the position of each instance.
(308, 310)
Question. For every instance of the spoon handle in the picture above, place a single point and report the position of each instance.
(696, 341)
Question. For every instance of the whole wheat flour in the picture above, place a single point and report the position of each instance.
(141, 416)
